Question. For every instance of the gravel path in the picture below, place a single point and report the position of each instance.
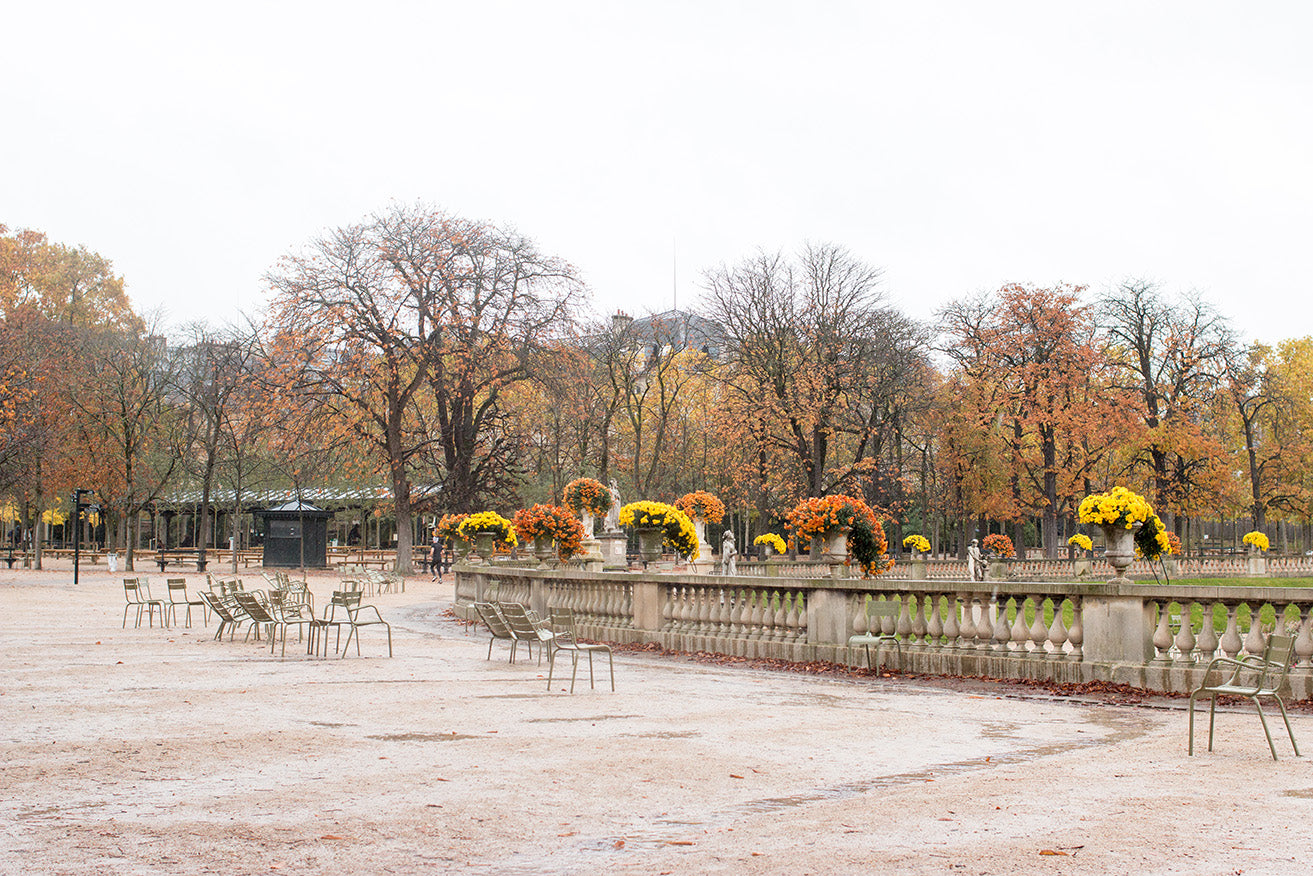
(164, 751)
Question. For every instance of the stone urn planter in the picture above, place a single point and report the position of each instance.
(920, 566)
(996, 569)
(649, 543)
(1082, 567)
(460, 549)
(767, 551)
(484, 543)
(543, 548)
(1121, 550)
(836, 544)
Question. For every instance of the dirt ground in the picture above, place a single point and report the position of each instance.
(164, 751)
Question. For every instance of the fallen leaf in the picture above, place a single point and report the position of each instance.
(330, 836)
(618, 844)
(1053, 852)
(735, 776)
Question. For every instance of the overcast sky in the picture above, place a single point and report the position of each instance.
(959, 146)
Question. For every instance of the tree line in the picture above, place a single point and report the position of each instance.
(457, 364)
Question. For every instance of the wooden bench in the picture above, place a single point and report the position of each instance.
(164, 558)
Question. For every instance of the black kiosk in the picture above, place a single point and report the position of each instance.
(287, 527)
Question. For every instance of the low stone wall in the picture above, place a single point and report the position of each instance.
(1143, 635)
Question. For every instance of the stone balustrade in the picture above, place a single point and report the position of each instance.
(1149, 636)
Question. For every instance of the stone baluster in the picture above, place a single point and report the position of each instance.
(781, 616)
(904, 626)
(756, 600)
(860, 626)
(1206, 643)
(719, 612)
(1039, 633)
(1076, 632)
(800, 605)
(1057, 632)
(1282, 618)
(795, 628)
(985, 624)
(951, 627)
(1304, 639)
(1000, 631)
(934, 622)
(740, 615)
(767, 616)
(1185, 640)
(968, 621)
(1231, 642)
(706, 624)
(1019, 633)
(1162, 635)
(1254, 641)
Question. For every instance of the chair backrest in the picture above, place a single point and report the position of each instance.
(131, 590)
(217, 606)
(347, 600)
(1277, 656)
(518, 619)
(177, 587)
(879, 609)
(492, 618)
(254, 608)
(562, 620)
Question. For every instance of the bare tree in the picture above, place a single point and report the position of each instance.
(801, 338)
(1173, 357)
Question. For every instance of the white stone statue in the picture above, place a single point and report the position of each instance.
(975, 562)
(728, 553)
(613, 513)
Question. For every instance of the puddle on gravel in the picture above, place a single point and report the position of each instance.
(424, 737)
(1121, 730)
(563, 720)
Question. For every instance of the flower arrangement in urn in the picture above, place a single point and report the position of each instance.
(487, 523)
(551, 522)
(998, 545)
(676, 529)
(918, 543)
(771, 540)
(585, 495)
(701, 504)
(448, 525)
(1257, 541)
(813, 518)
(1081, 542)
(1174, 544)
(1123, 508)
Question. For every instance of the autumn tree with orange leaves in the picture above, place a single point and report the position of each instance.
(1036, 379)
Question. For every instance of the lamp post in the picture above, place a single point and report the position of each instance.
(79, 505)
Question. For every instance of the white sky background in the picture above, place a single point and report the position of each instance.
(959, 146)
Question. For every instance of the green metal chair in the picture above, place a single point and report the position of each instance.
(178, 597)
(563, 639)
(497, 626)
(1250, 677)
(137, 593)
(876, 611)
(526, 627)
(359, 617)
(227, 619)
